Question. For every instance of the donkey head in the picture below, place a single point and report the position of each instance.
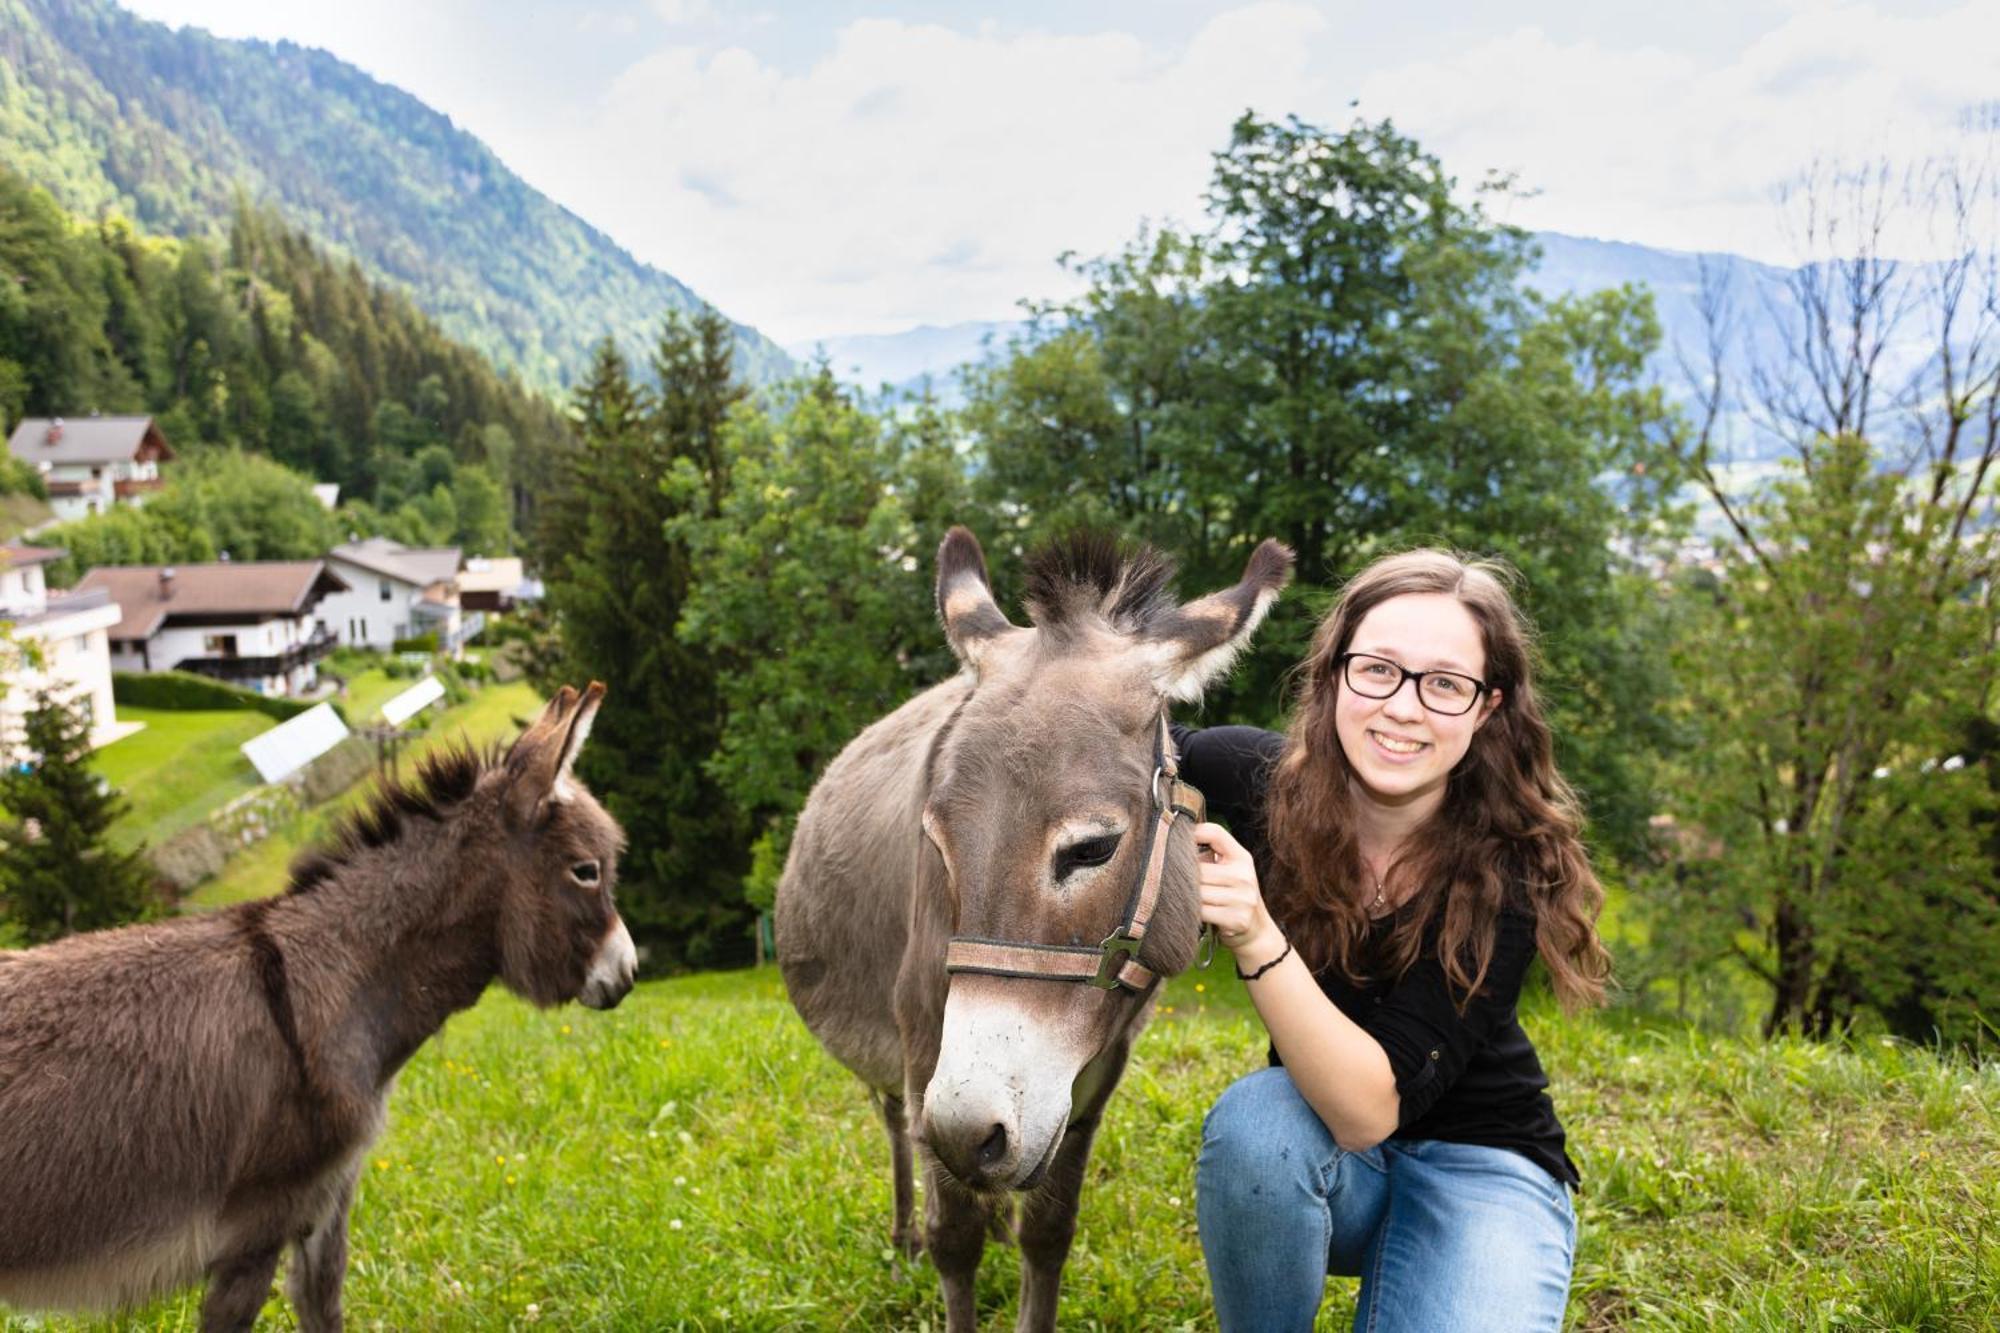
(560, 937)
(1041, 809)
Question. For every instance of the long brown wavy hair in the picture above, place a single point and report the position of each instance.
(1507, 834)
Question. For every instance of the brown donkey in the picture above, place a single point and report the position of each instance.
(190, 1098)
(986, 885)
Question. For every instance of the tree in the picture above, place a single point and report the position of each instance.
(1846, 652)
(819, 515)
(617, 584)
(59, 874)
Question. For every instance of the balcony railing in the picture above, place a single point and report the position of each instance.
(322, 642)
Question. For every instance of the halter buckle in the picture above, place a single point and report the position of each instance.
(1118, 947)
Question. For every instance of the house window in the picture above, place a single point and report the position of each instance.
(219, 645)
(385, 589)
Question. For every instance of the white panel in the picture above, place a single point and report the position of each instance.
(291, 745)
(413, 700)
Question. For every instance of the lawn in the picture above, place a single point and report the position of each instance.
(489, 715)
(693, 1161)
(367, 691)
(181, 767)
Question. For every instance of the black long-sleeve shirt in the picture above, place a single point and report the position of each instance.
(1469, 1077)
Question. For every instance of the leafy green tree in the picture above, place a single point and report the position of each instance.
(59, 874)
(817, 516)
(1841, 663)
(1830, 669)
(248, 505)
(123, 535)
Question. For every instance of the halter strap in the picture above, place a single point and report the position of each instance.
(1115, 962)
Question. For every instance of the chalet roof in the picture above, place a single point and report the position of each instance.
(87, 440)
(500, 573)
(421, 565)
(248, 588)
(13, 556)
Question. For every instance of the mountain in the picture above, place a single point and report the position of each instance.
(902, 360)
(111, 112)
(1762, 305)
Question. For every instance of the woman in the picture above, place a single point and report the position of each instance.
(1401, 855)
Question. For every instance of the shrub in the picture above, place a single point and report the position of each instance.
(183, 691)
(416, 643)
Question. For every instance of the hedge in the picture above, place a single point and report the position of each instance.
(182, 691)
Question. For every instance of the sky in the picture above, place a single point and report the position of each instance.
(829, 167)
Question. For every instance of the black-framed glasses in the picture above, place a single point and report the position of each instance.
(1448, 692)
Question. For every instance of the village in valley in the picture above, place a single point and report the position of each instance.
(349, 647)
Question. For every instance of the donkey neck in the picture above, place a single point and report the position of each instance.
(392, 942)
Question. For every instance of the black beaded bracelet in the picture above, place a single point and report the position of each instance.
(1252, 976)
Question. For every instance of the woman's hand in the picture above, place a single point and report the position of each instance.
(1230, 898)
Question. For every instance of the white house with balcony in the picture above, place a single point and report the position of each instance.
(57, 642)
(254, 623)
(92, 463)
(398, 592)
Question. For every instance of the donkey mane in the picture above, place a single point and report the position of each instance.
(1086, 575)
(443, 778)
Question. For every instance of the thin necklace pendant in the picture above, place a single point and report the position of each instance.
(1377, 903)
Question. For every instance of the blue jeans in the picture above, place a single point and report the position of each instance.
(1444, 1236)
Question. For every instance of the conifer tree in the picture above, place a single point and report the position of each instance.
(617, 584)
(59, 875)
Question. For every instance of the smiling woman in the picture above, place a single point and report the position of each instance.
(1420, 850)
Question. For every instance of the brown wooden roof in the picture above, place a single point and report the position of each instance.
(253, 589)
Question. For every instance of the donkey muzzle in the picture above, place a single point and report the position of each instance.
(612, 969)
(997, 1105)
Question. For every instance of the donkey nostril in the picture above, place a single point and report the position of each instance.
(995, 1147)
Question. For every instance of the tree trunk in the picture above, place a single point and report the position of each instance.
(1793, 937)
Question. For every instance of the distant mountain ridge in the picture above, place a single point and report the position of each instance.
(1758, 293)
(108, 111)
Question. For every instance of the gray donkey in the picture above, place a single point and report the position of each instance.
(986, 885)
(189, 1098)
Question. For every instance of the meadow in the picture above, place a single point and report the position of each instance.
(693, 1161)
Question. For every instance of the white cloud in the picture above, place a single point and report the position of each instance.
(914, 172)
(1653, 146)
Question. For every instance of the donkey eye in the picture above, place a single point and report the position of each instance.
(584, 872)
(1087, 854)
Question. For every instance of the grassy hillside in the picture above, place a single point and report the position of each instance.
(694, 1161)
(112, 112)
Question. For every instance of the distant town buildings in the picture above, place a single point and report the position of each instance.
(257, 624)
(398, 592)
(90, 464)
(60, 644)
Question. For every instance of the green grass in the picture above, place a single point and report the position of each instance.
(694, 1161)
(18, 513)
(182, 767)
(489, 715)
(367, 691)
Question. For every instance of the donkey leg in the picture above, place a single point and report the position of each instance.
(1047, 1226)
(904, 1235)
(955, 1220)
(319, 1266)
(237, 1289)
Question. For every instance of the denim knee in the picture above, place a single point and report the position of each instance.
(1261, 1138)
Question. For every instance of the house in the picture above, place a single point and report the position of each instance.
(68, 632)
(254, 623)
(495, 584)
(91, 463)
(398, 592)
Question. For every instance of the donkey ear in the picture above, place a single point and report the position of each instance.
(1194, 646)
(535, 761)
(578, 724)
(973, 621)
